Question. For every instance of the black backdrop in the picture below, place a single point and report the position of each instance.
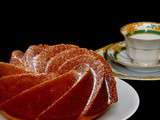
(103, 32)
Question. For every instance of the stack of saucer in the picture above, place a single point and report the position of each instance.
(123, 66)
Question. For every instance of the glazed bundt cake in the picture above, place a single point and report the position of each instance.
(58, 82)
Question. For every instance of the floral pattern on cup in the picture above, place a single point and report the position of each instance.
(140, 27)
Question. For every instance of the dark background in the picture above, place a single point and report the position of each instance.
(92, 35)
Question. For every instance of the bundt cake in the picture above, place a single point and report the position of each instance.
(58, 82)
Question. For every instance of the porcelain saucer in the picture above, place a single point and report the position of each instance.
(126, 70)
(125, 73)
(117, 53)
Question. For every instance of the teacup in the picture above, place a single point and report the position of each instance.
(143, 42)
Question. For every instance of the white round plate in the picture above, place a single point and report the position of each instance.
(127, 104)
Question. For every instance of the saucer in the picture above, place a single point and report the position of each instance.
(117, 53)
(124, 72)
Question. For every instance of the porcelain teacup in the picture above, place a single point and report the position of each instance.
(143, 42)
